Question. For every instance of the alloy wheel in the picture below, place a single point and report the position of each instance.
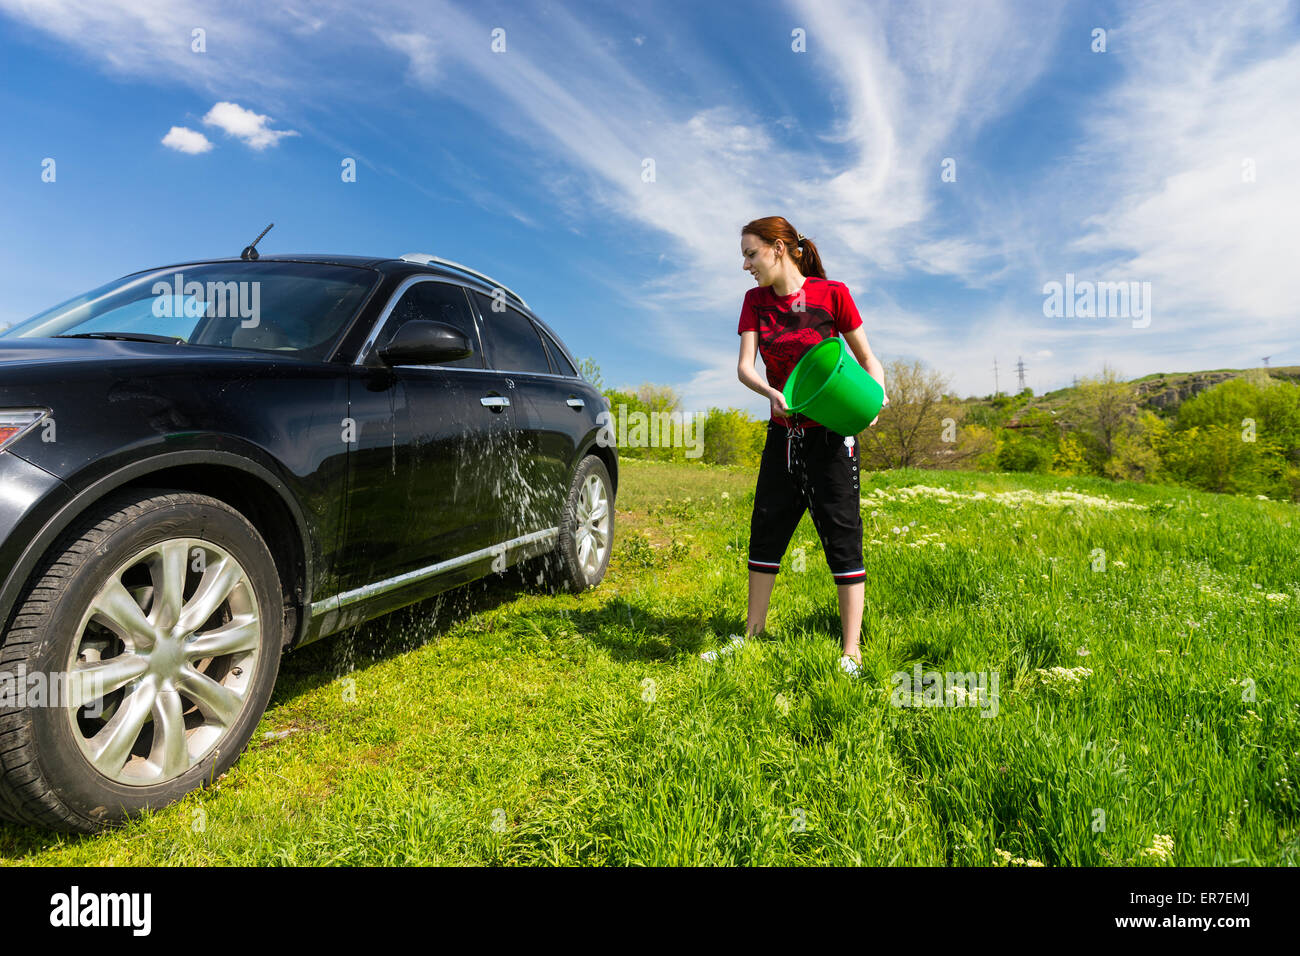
(163, 661)
(593, 520)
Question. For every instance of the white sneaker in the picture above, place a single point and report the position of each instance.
(732, 644)
(849, 666)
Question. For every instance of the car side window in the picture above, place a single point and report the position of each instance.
(562, 365)
(436, 302)
(513, 342)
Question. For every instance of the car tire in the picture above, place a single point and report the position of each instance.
(586, 531)
(162, 616)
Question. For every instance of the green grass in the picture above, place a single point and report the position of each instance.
(498, 725)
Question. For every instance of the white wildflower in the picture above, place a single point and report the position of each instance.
(1065, 680)
(1006, 859)
(1162, 848)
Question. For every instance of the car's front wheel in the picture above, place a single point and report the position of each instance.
(153, 631)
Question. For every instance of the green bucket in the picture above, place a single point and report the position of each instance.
(831, 388)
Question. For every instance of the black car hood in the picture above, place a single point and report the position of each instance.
(44, 351)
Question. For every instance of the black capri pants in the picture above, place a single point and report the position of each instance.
(808, 469)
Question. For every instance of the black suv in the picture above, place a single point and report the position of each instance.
(205, 464)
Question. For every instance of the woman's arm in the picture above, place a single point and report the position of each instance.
(857, 340)
(748, 374)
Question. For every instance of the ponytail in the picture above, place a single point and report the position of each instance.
(803, 251)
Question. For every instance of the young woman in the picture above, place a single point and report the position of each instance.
(805, 466)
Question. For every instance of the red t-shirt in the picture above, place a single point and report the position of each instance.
(785, 333)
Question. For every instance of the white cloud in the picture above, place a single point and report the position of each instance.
(1152, 191)
(1205, 98)
(252, 128)
(420, 53)
(186, 140)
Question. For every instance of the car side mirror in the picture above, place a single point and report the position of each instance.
(422, 342)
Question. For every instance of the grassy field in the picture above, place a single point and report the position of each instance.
(1147, 712)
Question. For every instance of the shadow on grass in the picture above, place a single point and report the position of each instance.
(629, 631)
(626, 630)
(394, 634)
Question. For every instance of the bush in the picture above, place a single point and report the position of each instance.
(1022, 453)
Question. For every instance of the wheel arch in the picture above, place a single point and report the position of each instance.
(606, 453)
(247, 486)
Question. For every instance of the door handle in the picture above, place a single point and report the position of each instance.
(495, 402)
(575, 403)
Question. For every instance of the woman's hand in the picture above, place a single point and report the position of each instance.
(882, 406)
(779, 407)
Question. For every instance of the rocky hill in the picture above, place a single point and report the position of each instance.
(1162, 392)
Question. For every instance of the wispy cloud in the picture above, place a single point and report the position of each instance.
(915, 86)
(1147, 186)
(419, 52)
(1199, 191)
(1180, 176)
(150, 37)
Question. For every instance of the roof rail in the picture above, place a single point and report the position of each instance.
(425, 259)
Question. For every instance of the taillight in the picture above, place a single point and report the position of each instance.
(15, 421)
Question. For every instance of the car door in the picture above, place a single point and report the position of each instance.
(544, 421)
(428, 497)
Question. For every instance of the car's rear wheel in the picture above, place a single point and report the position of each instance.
(586, 535)
(154, 629)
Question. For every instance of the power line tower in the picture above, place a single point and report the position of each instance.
(1266, 358)
(995, 377)
(1020, 372)
(1076, 381)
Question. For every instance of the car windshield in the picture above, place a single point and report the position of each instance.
(291, 307)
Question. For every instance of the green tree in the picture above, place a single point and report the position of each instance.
(590, 371)
(733, 437)
(921, 426)
(1104, 407)
(1138, 450)
(654, 425)
(1071, 457)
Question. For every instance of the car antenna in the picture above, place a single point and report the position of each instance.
(250, 250)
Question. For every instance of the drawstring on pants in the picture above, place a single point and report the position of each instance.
(792, 432)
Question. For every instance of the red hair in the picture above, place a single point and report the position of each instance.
(802, 251)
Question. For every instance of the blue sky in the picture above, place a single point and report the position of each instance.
(1172, 158)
